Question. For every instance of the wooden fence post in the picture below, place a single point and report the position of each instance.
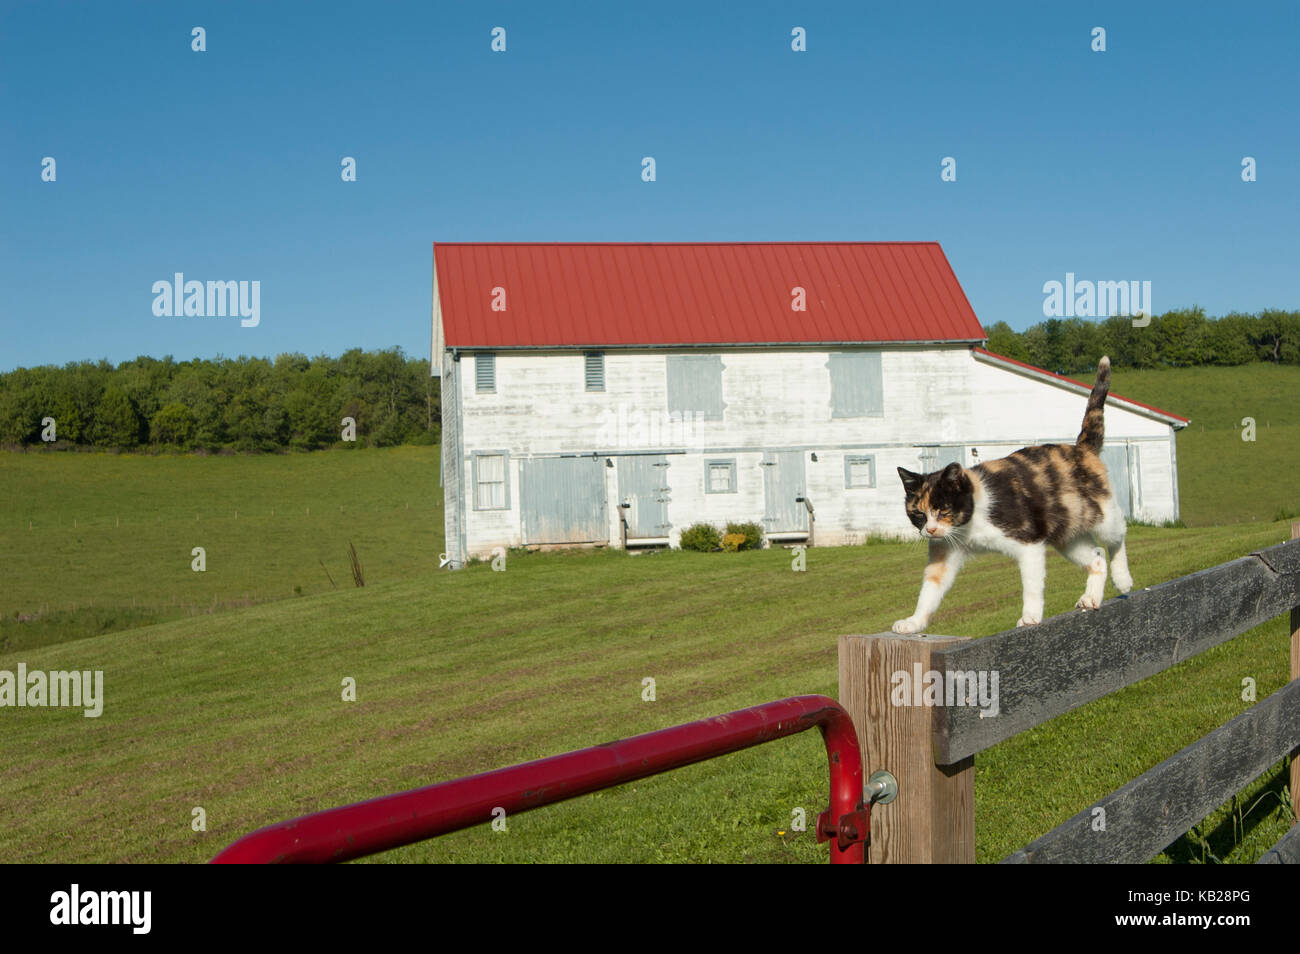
(1295, 674)
(933, 818)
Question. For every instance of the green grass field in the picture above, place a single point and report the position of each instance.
(224, 687)
(92, 543)
(240, 713)
(1222, 478)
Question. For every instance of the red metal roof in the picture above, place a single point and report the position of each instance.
(1175, 419)
(610, 294)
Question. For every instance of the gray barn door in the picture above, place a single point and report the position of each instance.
(1115, 457)
(562, 500)
(783, 485)
(643, 488)
(938, 457)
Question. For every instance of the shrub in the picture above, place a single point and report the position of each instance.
(752, 534)
(733, 542)
(704, 537)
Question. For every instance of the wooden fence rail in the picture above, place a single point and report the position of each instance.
(1286, 851)
(1040, 672)
(1140, 819)
(1068, 660)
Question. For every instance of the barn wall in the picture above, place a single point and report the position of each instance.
(452, 478)
(1155, 460)
(777, 400)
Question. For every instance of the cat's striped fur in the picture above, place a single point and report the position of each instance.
(1056, 494)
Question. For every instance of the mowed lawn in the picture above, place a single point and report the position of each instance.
(93, 543)
(240, 713)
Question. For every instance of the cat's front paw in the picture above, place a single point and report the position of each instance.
(1029, 621)
(1087, 602)
(908, 626)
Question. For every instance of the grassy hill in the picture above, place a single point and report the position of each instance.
(1222, 478)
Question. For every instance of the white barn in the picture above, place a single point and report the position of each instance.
(613, 394)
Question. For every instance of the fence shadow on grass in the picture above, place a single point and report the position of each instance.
(1255, 809)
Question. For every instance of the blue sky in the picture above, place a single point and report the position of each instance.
(225, 164)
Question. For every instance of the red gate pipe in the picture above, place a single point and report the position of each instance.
(353, 831)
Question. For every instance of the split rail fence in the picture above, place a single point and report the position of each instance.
(1046, 670)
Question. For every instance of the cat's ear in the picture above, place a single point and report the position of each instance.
(911, 482)
(952, 475)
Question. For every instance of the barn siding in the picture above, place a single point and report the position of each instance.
(451, 456)
(778, 400)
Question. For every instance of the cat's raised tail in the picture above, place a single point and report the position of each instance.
(1094, 419)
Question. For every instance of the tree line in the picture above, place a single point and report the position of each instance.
(1176, 339)
(240, 404)
(255, 404)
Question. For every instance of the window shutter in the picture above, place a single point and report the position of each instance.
(855, 384)
(485, 372)
(695, 386)
(595, 372)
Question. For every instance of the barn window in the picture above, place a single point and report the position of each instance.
(695, 386)
(856, 389)
(859, 471)
(485, 372)
(720, 476)
(491, 481)
(595, 371)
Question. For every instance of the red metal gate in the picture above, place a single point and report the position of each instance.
(353, 831)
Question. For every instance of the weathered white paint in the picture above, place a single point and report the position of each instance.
(439, 345)
(776, 399)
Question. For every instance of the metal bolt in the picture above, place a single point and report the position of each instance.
(881, 788)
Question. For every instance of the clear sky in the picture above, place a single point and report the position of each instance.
(225, 164)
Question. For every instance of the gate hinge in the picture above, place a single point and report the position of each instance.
(852, 829)
(855, 827)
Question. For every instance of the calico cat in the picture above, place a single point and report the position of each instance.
(1016, 505)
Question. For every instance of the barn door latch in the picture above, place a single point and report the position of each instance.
(854, 828)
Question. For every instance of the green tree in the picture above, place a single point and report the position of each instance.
(1277, 336)
(116, 422)
(173, 425)
(77, 392)
(20, 404)
(1181, 337)
(1004, 341)
(1080, 345)
(1227, 341)
(198, 386)
(1037, 346)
